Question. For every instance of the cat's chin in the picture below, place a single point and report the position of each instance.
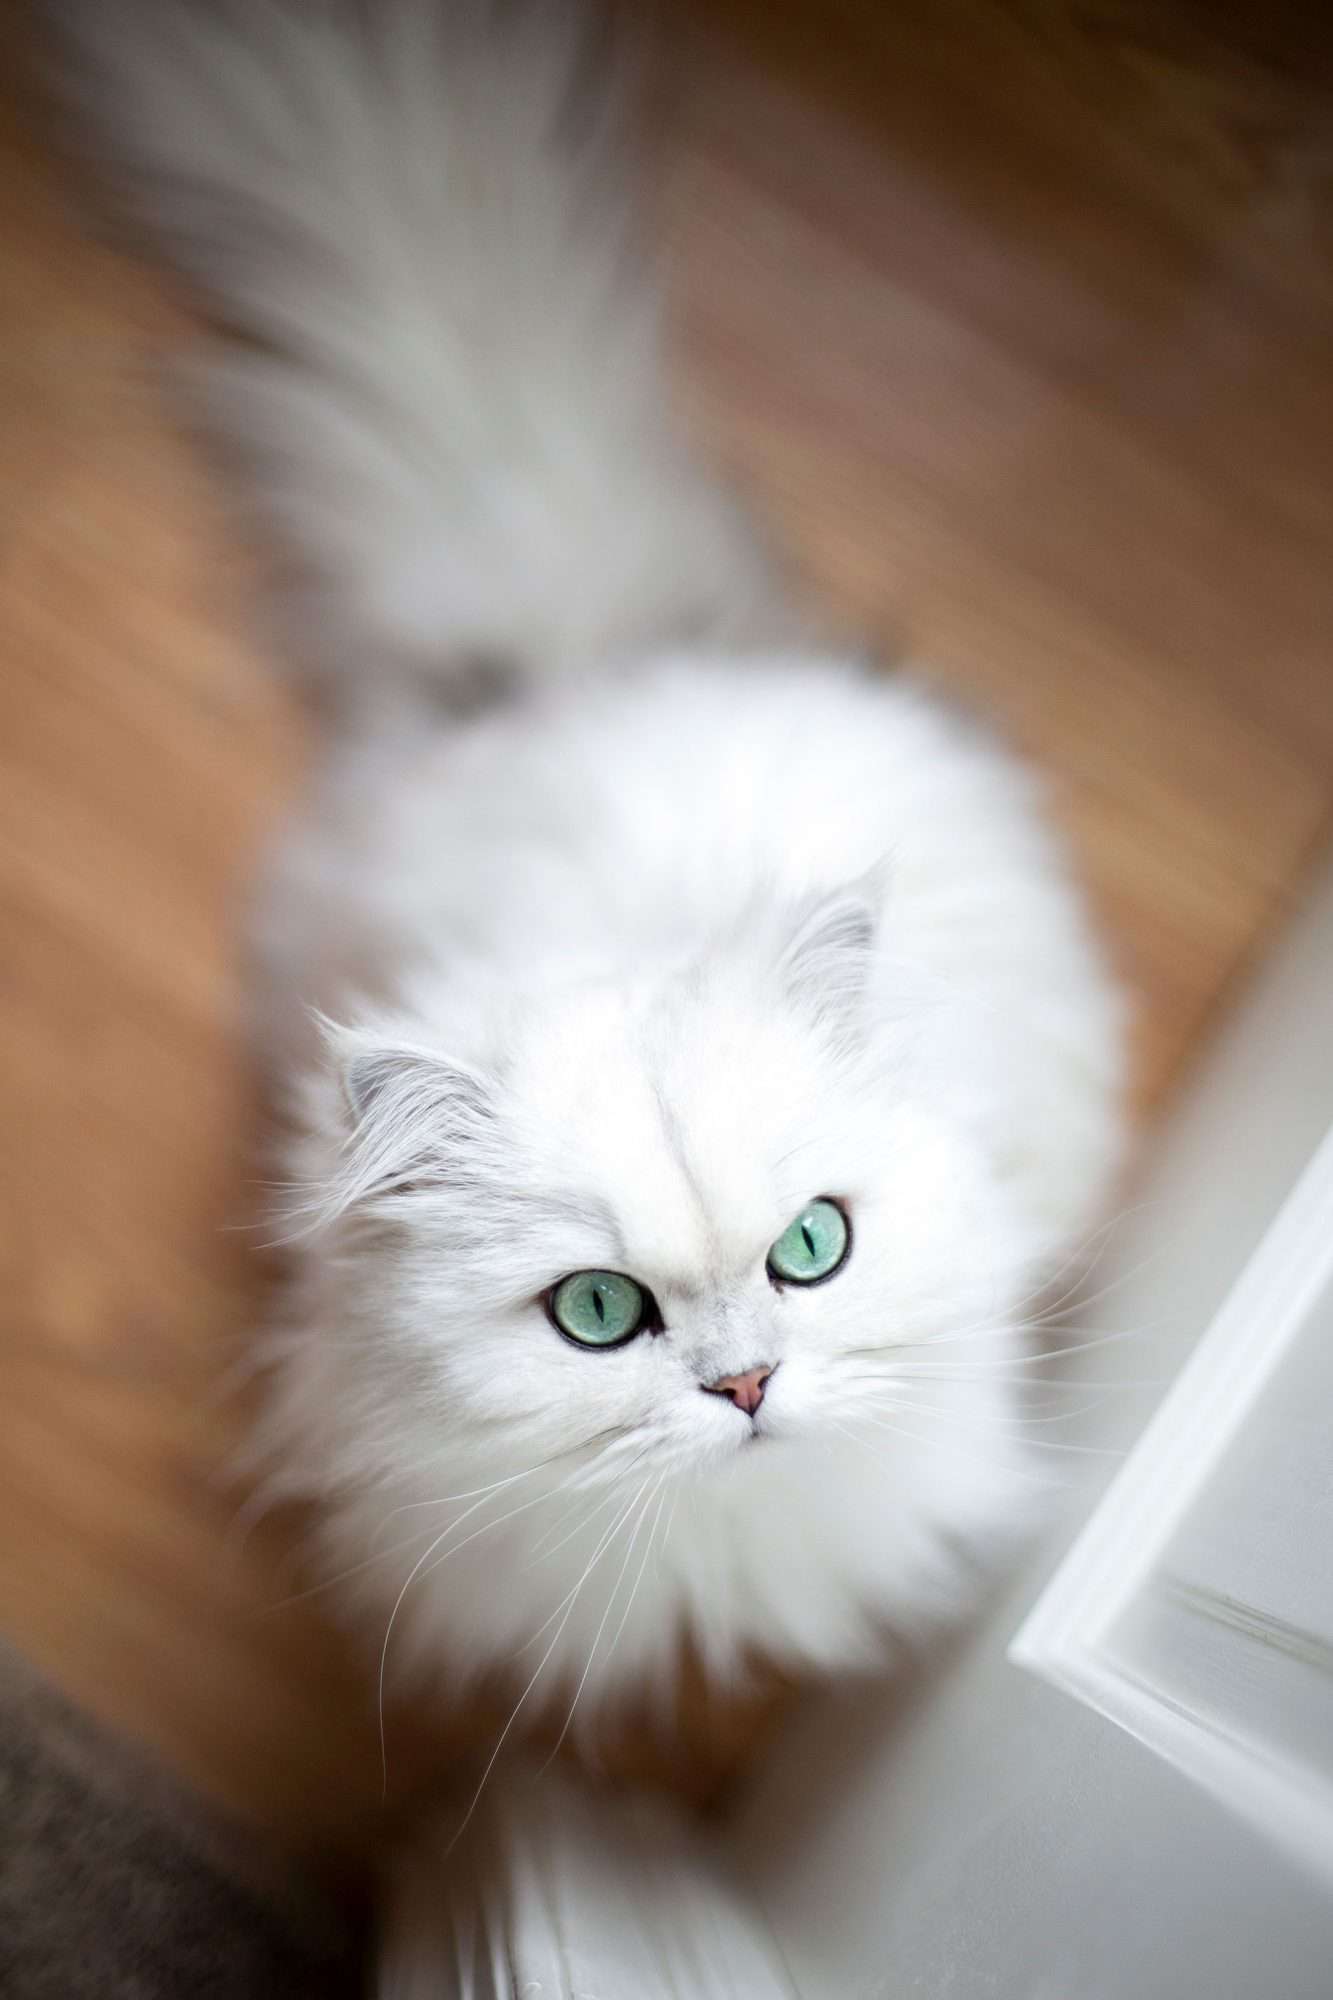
(755, 1452)
(743, 1450)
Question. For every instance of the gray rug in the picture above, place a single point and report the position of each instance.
(115, 1883)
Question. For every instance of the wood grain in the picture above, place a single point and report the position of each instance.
(1016, 323)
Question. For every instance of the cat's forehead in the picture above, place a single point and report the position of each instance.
(690, 1132)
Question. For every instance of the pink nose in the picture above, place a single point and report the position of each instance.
(746, 1391)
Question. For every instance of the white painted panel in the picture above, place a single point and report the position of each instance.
(1196, 1609)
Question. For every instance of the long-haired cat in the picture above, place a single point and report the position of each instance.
(698, 1056)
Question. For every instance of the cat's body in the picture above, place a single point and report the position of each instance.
(673, 932)
(625, 865)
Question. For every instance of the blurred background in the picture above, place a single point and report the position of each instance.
(1014, 318)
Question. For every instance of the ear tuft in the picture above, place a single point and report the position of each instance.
(410, 1111)
(827, 957)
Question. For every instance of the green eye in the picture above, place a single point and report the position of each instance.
(598, 1308)
(812, 1247)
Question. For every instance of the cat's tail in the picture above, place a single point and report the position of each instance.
(435, 365)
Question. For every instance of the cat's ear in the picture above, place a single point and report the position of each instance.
(411, 1113)
(830, 947)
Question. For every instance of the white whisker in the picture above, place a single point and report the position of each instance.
(586, 1517)
(608, 1536)
(986, 1424)
(597, 1636)
(412, 1574)
(946, 1444)
(652, 1534)
(514, 1712)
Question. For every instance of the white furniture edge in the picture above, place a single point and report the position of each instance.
(1138, 1515)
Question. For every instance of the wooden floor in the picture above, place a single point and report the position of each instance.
(1017, 322)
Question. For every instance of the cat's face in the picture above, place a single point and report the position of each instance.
(767, 1198)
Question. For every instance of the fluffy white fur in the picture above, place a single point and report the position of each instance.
(625, 965)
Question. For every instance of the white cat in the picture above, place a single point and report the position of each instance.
(711, 1061)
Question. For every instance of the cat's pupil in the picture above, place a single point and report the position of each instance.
(809, 1239)
(598, 1304)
